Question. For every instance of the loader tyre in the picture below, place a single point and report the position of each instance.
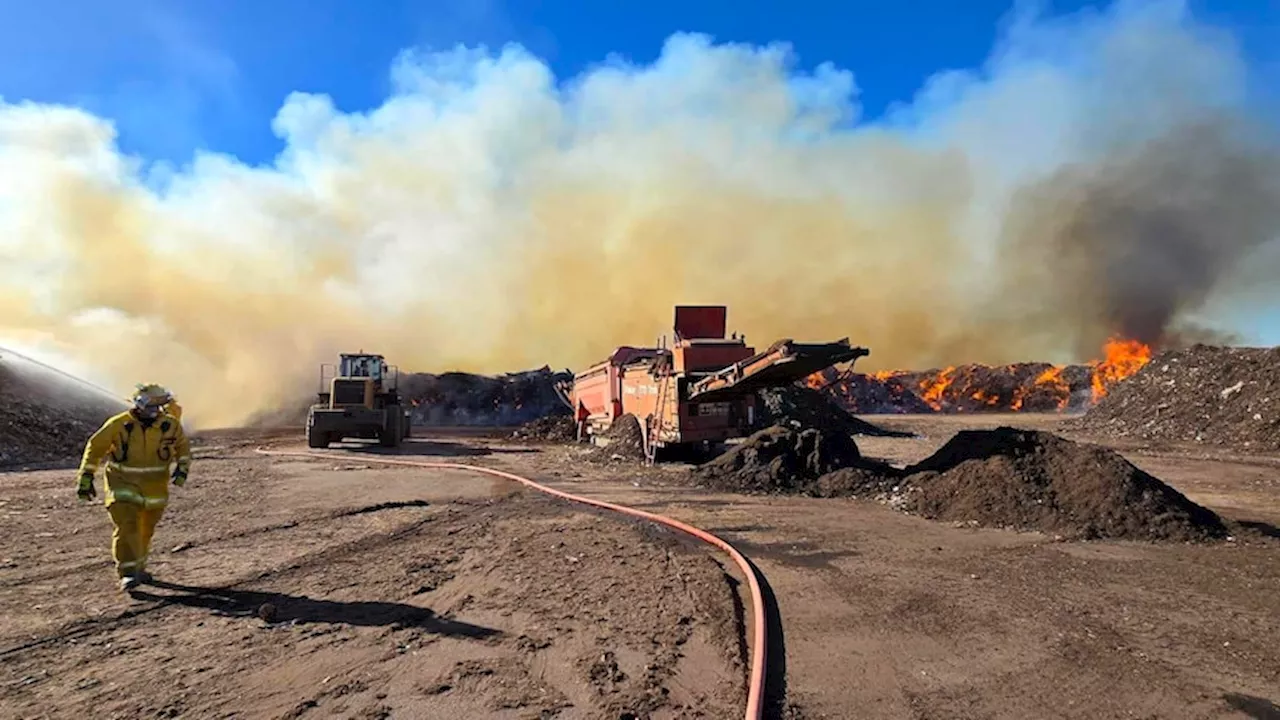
(316, 439)
(392, 432)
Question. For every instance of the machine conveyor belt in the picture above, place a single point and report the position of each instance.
(784, 362)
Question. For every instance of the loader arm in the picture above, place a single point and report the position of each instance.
(784, 362)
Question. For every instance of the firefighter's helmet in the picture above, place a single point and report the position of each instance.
(149, 399)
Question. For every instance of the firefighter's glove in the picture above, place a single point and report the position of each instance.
(179, 478)
(84, 489)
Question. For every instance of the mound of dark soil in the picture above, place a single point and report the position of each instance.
(788, 460)
(45, 416)
(550, 429)
(1031, 480)
(1217, 395)
(868, 480)
(803, 407)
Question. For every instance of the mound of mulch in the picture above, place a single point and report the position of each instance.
(550, 429)
(803, 407)
(1227, 396)
(869, 479)
(467, 399)
(788, 460)
(46, 417)
(1030, 480)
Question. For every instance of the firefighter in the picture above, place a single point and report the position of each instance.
(139, 445)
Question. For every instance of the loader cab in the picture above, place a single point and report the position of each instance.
(373, 367)
(358, 380)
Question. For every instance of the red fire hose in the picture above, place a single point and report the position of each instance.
(755, 692)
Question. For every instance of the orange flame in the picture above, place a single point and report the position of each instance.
(887, 374)
(986, 398)
(1052, 383)
(931, 390)
(1122, 358)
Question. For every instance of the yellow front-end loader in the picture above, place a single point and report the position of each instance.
(361, 399)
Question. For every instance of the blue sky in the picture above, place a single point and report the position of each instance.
(181, 75)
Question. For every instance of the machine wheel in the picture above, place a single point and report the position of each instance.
(316, 439)
(393, 432)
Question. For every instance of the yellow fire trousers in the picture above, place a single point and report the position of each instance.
(131, 536)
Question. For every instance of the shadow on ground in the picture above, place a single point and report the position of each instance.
(281, 608)
(777, 703)
(1262, 528)
(1255, 707)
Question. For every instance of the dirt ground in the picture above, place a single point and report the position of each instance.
(425, 593)
(298, 589)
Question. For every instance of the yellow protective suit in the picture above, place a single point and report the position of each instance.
(138, 455)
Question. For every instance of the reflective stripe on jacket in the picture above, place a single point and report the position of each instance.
(138, 457)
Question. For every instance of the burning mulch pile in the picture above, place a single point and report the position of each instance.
(1026, 387)
(1030, 480)
(45, 416)
(1218, 395)
(803, 407)
(820, 462)
(886, 394)
(549, 429)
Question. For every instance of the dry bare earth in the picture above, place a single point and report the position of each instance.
(315, 589)
(887, 615)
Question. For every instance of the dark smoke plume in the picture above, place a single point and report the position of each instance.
(1135, 242)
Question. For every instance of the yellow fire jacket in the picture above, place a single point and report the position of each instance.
(138, 457)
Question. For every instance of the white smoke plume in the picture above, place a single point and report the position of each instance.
(1104, 173)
